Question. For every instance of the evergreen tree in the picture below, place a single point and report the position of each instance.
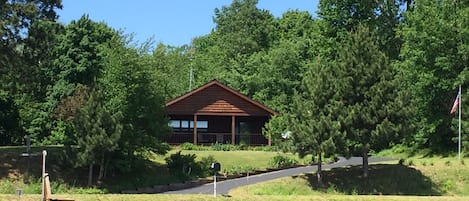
(97, 135)
(313, 119)
(374, 111)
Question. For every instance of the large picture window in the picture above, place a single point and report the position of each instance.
(185, 125)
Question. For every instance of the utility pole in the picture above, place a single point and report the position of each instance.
(191, 73)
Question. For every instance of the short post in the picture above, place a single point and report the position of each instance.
(28, 154)
(19, 192)
(44, 154)
(216, 168)
(28, 143)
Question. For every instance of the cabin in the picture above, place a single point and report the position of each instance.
(216, 113)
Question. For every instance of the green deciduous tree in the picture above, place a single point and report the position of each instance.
(27, 33)
(128, 88)
(435, 61)
(9, 121)
(381, 17)
(241, 30)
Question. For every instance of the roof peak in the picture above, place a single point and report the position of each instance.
(225, 87)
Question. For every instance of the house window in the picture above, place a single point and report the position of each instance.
(174, 124)
(185, 125)
(202, 124)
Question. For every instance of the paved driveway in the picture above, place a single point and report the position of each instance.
(224, 187)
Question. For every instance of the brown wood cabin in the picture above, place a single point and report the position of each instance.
(216, 113)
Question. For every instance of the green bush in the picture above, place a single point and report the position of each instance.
(188, 146)
(225, 147)
(205, 163)
(281, 161)
(183, 166)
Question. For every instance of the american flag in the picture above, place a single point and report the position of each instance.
(456, 103)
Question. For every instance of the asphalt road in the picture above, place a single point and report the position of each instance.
(224, 187)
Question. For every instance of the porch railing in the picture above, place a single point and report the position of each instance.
(212, 138)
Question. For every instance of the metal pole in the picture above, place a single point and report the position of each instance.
(215, 185)
(459, 135)
(44, 154)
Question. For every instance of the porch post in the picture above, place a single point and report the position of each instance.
(233, 128)
(195, 129)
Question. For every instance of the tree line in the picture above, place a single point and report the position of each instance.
(360, 77)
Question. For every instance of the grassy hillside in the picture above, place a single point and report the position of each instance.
(13, 170)
(417, 175)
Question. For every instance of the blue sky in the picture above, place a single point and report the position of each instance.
(172, 22)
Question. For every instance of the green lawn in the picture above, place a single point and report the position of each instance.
(148, 174)
(229, 160)
(157, 197)
(416, 176)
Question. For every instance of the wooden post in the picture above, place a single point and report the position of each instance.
(233, 128)
(195, 129)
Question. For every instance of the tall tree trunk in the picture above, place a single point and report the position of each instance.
(365, 162)
(319, 172)
(101, 169)
(90, 175)
(106, 169)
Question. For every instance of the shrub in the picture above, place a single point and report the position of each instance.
(188, 146)
(183, 166)
(281, 161)
(225, 147)
(205, 163)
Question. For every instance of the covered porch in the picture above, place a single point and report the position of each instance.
(211, 129)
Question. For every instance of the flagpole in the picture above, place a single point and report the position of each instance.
(459, 133)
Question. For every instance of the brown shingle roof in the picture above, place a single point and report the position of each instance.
(224, 87)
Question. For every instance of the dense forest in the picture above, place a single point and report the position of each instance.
(360, 77)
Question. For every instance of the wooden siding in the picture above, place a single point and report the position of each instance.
(215, 100)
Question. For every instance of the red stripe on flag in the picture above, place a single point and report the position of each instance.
(455, 104)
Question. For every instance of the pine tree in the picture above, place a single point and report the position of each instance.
(313, 119)
(374, 112)
(97, 136)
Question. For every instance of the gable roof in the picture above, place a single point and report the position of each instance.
(229, 90)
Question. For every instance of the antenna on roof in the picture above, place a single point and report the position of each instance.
(191, 73)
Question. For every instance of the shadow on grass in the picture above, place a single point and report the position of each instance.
(383, 179)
